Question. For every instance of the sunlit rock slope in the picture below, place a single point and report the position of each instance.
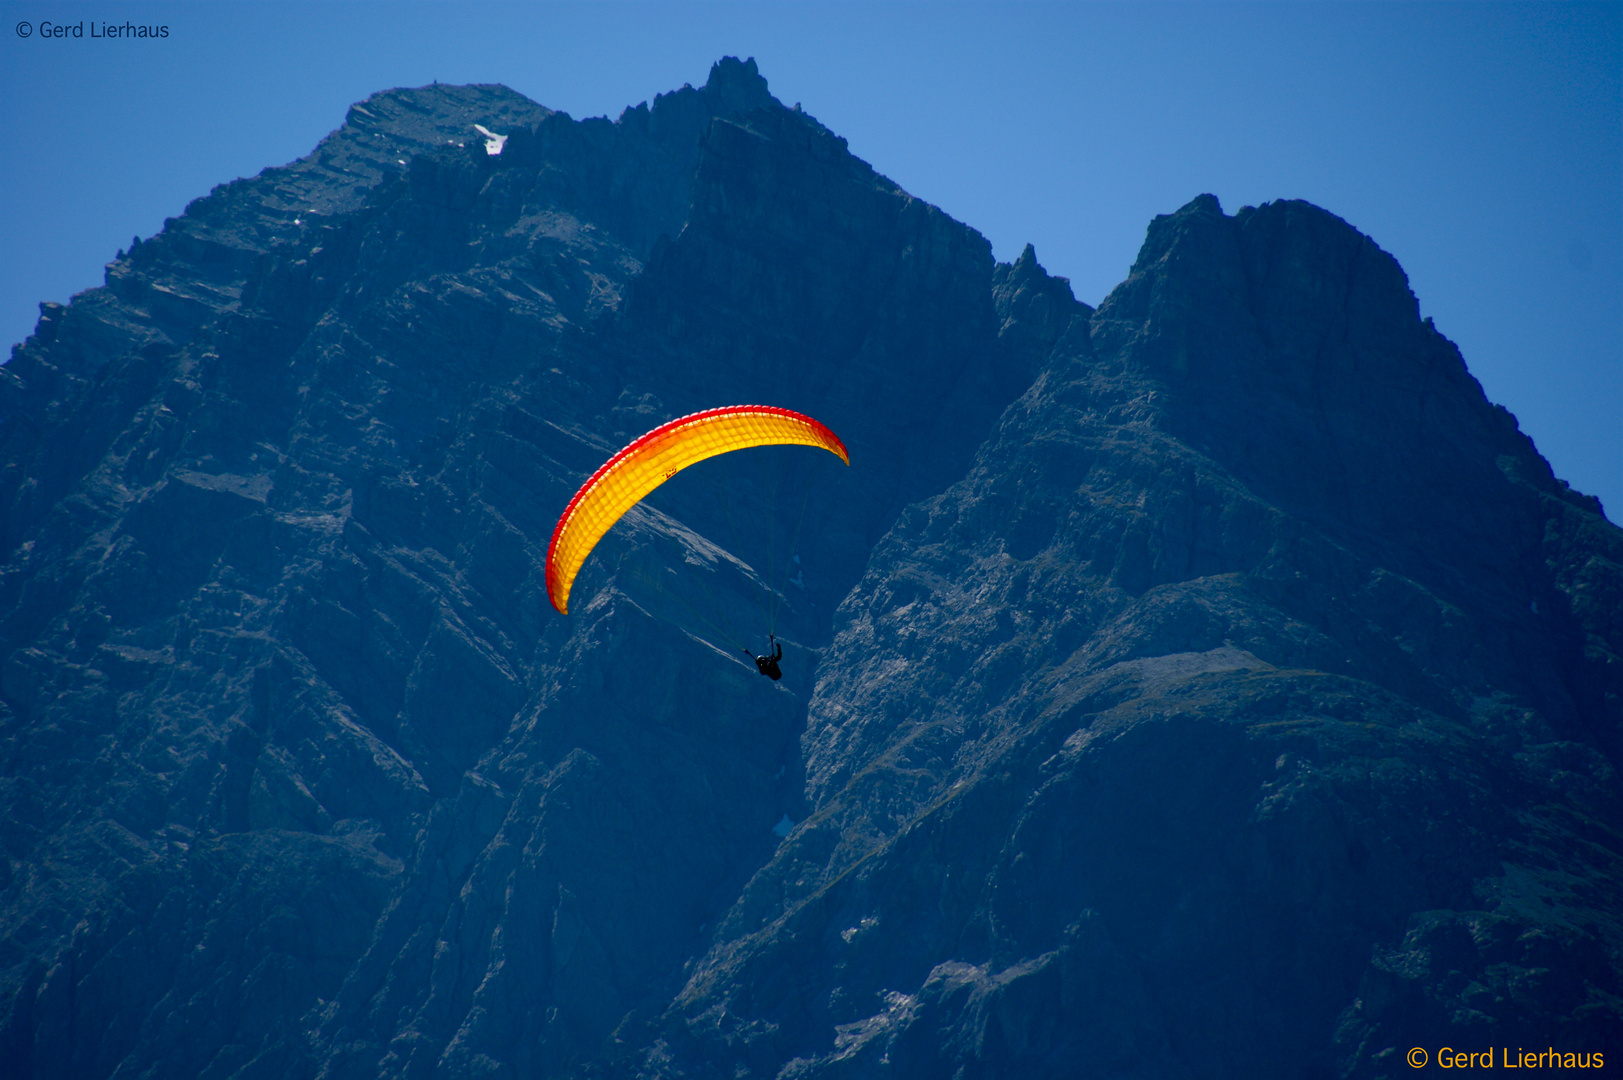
(1211, 685)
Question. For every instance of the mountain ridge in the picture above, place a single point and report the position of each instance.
(1212, 683)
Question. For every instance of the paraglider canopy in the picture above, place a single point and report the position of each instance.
(654, 458)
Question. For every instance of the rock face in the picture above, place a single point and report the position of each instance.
(1213, 684)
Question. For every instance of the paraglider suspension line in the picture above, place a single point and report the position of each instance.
(732, 531)
(780, 596)
(671, 594)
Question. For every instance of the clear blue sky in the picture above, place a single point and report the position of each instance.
(1481, 144)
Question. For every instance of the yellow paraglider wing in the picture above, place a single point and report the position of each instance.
(656, 457)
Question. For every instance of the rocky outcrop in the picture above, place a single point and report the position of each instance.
(1212, 684)
(1137, 725)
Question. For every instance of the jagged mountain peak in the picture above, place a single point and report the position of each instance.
(1291, 305)
(740, 84)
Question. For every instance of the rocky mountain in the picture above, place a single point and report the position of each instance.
(1212, 684)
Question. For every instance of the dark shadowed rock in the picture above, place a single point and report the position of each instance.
(1212, 684)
